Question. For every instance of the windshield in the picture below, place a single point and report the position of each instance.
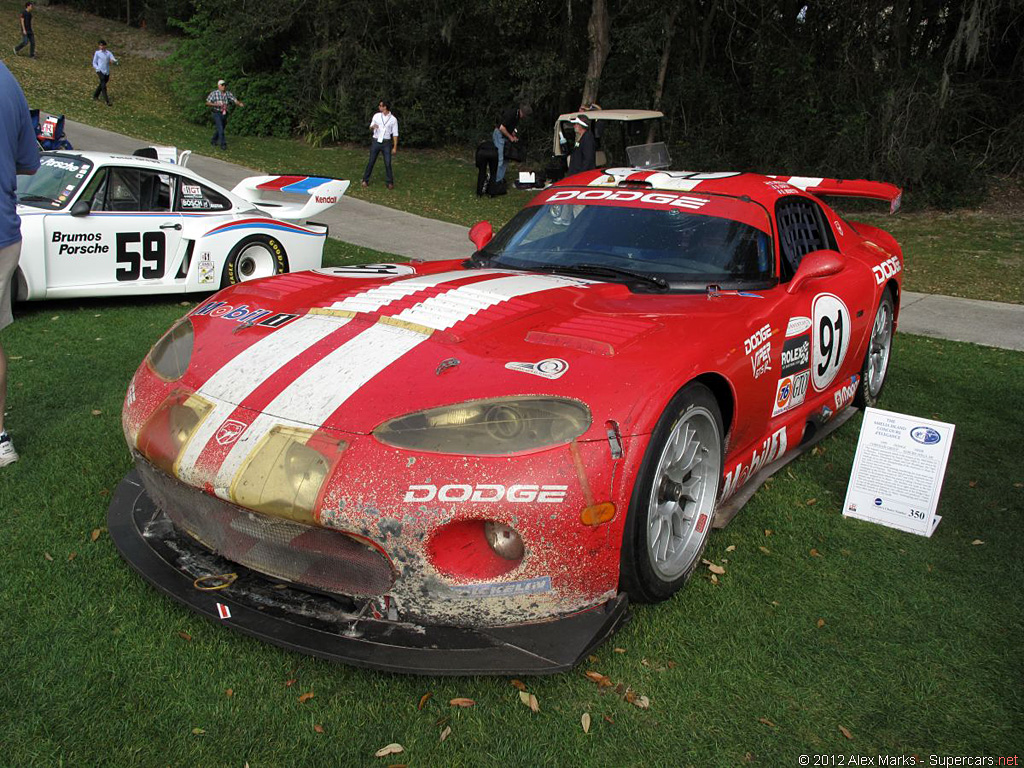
(55, 183)
(688, 242)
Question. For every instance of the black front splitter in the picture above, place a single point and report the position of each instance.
(329, 627)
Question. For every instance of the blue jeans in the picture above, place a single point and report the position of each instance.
(376, 148)
(220, 120)
(499, 142)
(29, 40)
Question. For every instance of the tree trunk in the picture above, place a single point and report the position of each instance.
(666, 50)
(598, 32)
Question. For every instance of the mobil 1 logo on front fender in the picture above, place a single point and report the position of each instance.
(830, 329)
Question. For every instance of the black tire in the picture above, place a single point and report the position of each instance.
(644, 576)
(253, 257)
(878, 354)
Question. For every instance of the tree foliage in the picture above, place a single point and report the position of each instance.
(926, 93)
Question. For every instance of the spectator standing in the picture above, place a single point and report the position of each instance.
(508, 132)
(384, 129)
(218, 102)
(584, 156)
(19, 153)
(101, 63)
(27, 36)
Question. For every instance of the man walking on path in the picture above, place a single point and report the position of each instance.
(19, 153)
(384, 129)
(27, 36)
(101, 63)
(218, 102)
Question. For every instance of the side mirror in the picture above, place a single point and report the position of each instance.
(481, 234)
(81, 208)
(817, 264)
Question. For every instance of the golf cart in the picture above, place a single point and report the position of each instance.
(622, 139)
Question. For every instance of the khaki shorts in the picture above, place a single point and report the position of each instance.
(8, 263)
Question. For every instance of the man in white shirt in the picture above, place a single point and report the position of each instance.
(384, 128)
(101, 63)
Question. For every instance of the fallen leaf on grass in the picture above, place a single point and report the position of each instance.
(229, 692)
(318, 728)
(198, 731)
(768, 531)
(811, 502)
(185, 636)
(95, 534)
(518, 684)
(608, 719)
(48, 556)
(765, 550)
(529, 700)
(766, 721)
(72, 556)
(97, 412)
(671, 664)
(619, 650)
(289, 683)
(534, 704)
(593, 659)
(390, 749)
(423, 700)
(821, 623)
(815, 553)
(714, 579)
(716, 569)
(602, 680)
(731, 548)
(446, 732)
(460, 702)
(976, 542)
(585, 722)
(306, 697)
(845, 732)
(641, 702)
(973, 483)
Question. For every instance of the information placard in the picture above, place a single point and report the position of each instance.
(898, 470)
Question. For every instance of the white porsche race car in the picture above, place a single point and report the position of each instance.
(97, 224)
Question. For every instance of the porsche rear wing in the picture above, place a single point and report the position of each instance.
(322, 193)
(873, 190)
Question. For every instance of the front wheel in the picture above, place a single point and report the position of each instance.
(673, 503)
(254, 257)
(876, 359)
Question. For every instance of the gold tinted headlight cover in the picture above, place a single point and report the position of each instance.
(495, 427)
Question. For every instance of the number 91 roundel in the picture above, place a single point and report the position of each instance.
(830, 340)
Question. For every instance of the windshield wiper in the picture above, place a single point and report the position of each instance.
(36, 199)
(603, 270)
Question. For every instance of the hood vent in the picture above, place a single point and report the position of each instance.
(598, 335)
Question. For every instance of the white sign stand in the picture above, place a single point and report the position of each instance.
(898, 470)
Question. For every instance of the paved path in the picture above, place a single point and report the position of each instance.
(989, 323)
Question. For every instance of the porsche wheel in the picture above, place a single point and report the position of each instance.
(673, 502)
(253, 257)
(876, 359)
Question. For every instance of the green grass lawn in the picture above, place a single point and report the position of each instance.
(971, 254)
(918, 648)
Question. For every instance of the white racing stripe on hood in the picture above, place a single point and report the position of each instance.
(328, 383)
(375, 298)
(241, 375)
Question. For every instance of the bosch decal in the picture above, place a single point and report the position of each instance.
(771, 449)
(796, 355)
(888, 268)
(552, 368)
(488, 493)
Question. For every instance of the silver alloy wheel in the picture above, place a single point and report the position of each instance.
(255, 260)
(683, 494)
(880, 346)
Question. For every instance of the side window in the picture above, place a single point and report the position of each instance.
(124, 190)
(802, 229)
(155, 192)
(96, 190)
(193, 197)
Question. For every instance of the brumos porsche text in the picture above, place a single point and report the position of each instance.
(80, 243)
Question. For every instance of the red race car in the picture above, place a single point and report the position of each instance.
(472, 466)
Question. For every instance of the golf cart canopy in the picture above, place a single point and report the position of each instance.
(612, 115)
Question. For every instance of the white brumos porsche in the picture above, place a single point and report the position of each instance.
(97, 224)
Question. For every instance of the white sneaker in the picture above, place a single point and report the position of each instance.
(7, 453)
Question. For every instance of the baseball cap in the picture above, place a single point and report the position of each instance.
(581, 120)
(221, 82)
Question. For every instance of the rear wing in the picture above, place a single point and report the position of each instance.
(873, 190)
(321, 193)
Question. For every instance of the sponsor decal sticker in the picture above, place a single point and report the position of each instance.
(797, 325)
(230, 431)
(925, 435)
(206, 269)
(772, 448)
(791, 392)
(831, 338)
(845, 393)
(191, 190)
(79, 243)
(223, 611)
(504, 589)
(368, 270)
(669, 199)
(759, 349)
(888, 268)
(781, 187)
(486, 492)
(244, 314)
(796, 355)
(551, 368)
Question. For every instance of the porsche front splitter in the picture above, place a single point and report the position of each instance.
(328, 626)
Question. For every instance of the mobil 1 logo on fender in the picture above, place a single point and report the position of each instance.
(796, 354)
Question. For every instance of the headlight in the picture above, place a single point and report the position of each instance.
(489, 427)
(169, 357)
(284, 474)
(171, 426)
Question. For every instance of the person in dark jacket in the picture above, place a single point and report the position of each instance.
(584, 156)
(28, 37)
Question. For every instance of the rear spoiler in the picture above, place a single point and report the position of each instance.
(322, 193)
(873, 190)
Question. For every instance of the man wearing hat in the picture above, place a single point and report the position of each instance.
(218, 101)
(584, 156)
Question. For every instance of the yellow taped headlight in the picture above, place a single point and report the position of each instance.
(284, 474)
(496, 427)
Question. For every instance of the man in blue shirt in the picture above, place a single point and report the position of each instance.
(101, 63)
(19, 153)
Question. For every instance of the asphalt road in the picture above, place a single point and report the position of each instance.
(989, 323)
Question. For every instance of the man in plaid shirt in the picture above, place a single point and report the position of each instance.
(218, 101)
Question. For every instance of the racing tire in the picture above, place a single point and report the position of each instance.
(876, 359)
(673, 503)
(253, 257)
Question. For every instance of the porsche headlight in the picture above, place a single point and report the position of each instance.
(284, 473)
(170, 356)
(495, 427)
